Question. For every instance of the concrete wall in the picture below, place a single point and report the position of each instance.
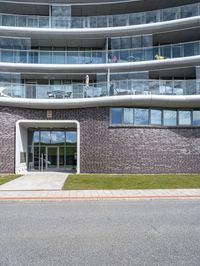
(106, 149)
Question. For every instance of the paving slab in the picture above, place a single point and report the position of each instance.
(36, 181)
(59, 195)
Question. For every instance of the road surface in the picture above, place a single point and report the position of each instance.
(100, 233)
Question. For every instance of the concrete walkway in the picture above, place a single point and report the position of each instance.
(36, 181)
(100, 194)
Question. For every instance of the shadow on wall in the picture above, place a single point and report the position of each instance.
(187, 132)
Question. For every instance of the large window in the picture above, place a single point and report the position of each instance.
(154, 117)
(52, 149)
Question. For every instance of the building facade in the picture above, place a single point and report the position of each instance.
(100, 86)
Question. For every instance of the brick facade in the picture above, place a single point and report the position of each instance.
(106, 149)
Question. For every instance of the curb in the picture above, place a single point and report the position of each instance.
(85, 198)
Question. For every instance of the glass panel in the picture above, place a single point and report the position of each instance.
(141, 117)
(169, 118)
(61, 157)
(36, 158)
(52, 157)
(58, 57)
(71, 156)
(58, 137)
(36, 137)
(116, 116)
(196, 118)
(156, 117)
(71, 137)
(189, 49)
(184, 118)
(45, 57)
(128, 116)
(7, 56)
(8, 20)
(45, 137)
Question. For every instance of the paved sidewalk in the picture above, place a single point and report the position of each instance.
(101, 194)
(36, 181)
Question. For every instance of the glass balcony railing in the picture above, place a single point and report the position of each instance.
(101, 21)
(113, 88)
(100, 56)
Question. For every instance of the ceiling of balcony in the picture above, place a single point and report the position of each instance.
(36, 7)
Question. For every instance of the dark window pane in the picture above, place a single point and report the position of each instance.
(116, 116)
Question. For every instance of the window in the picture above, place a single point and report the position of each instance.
(57, 137)
(169, 118)
(184, 118)
(45, 137)
(145, 117)
(128, 116)
(71, 137)
(141, 117)
(156, 117)
(116, 117)
(196, 118)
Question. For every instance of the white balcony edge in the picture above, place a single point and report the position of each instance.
(156, 101)
(101, 32)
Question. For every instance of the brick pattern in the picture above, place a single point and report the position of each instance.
(106, 149)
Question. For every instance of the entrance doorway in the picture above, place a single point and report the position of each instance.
(52, 149)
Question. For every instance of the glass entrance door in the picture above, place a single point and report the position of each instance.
(52, 157)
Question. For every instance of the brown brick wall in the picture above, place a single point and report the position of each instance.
(107, 149)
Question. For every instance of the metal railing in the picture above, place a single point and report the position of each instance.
(101, 21)
(112, 88)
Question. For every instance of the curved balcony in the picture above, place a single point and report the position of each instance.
(138, 93)
(95, 57)
(148, 17)
(101, 89)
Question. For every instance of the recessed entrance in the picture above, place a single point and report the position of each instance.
(47, 146)
(54, 149)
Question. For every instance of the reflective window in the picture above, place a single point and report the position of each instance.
(156, 117)
(184, 118)
(36, 137)
(45, 137)
(141, 117)
(116, 116)
(57, 137)
(71, 137)
(196, 118)
(169, 118)
(128, 116)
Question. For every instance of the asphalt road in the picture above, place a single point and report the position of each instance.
(100, 233)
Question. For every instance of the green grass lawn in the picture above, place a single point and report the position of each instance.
(86, 182)
(6, 178)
